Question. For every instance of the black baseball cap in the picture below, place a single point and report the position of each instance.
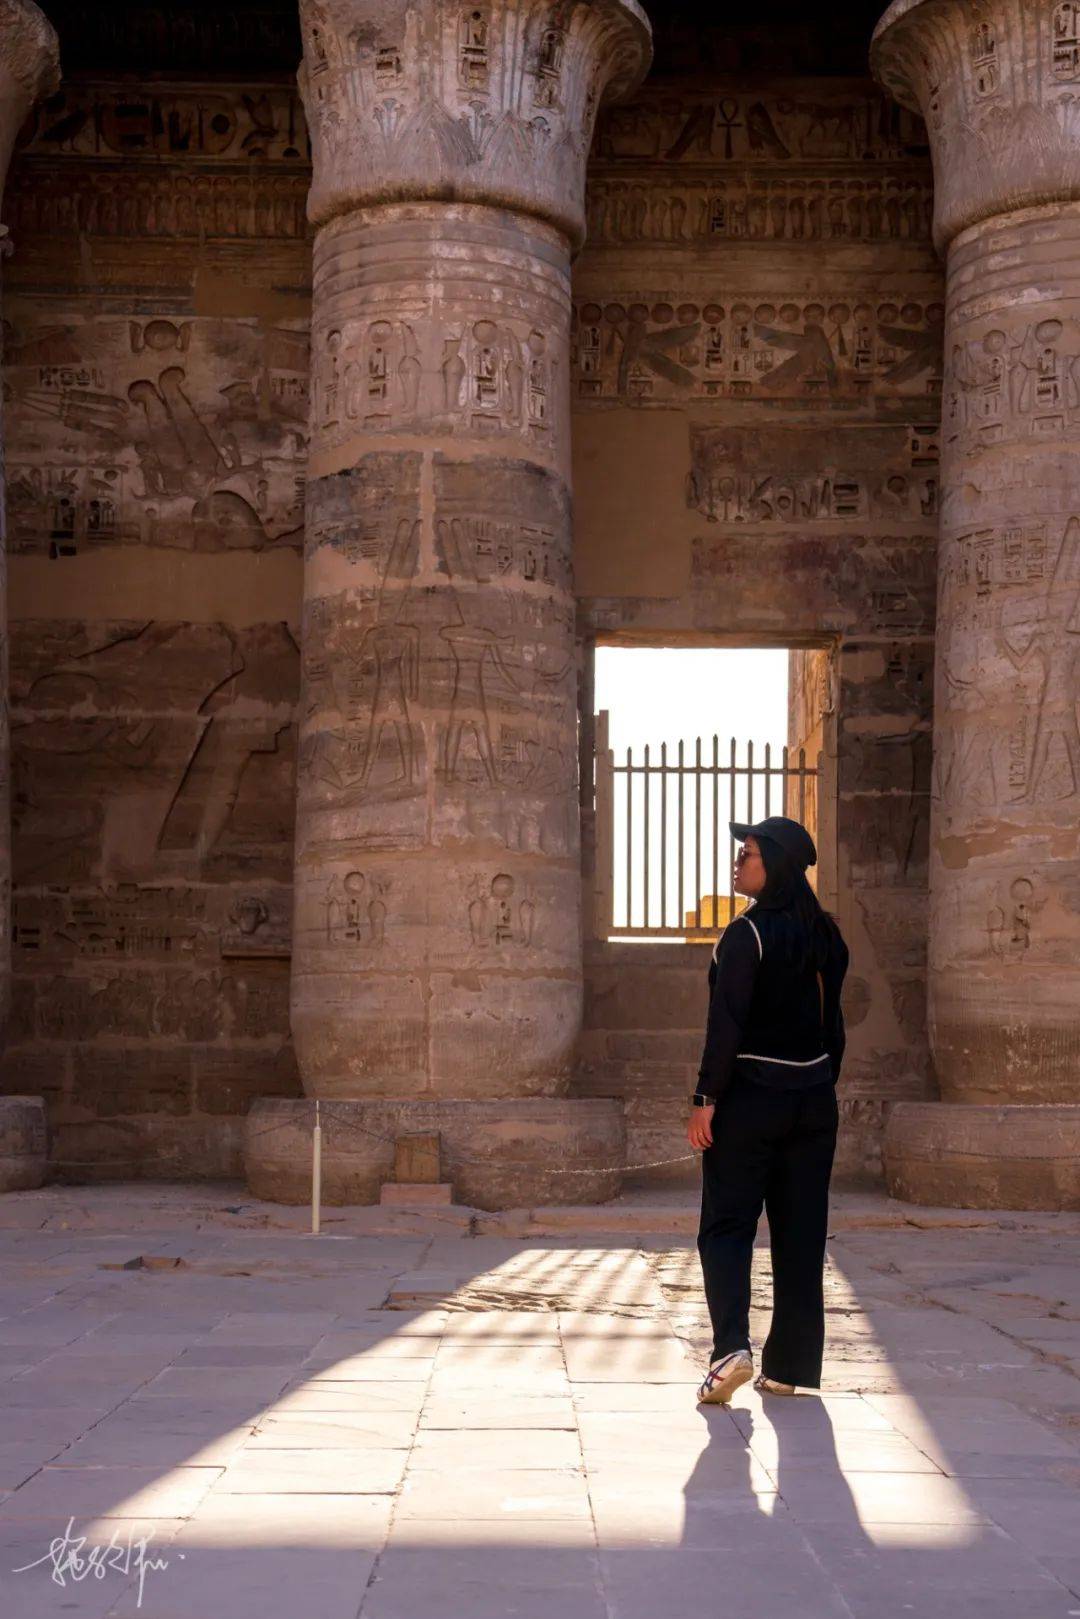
(791, 835)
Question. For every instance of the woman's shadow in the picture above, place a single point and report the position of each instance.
(766, 1487)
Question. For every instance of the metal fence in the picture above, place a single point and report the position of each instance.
(663, 850)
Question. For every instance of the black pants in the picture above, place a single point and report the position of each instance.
(771, 1147)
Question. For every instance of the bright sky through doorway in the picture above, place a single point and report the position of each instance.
(659, 694)
(656, 695)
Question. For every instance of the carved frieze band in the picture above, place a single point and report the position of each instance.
(731, 125)
(896, 207)
(834, 348)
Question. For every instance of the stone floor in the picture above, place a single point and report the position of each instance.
(403, 1419)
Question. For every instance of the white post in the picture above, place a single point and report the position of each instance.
(316, 1172)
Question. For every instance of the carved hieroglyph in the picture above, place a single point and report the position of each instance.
(437, 942)
(29, 69)
(999, 85)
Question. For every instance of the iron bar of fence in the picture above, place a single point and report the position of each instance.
(645, 835)
(629, 836)
(715, 831)
(682, 824)
(639, 854)
(697, 838)
(731, 840)
(663, 834)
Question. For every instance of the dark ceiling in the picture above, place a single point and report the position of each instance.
(252, 38)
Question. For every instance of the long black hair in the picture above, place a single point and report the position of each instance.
(804, 941)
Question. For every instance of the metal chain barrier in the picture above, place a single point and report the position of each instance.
(327, 1109)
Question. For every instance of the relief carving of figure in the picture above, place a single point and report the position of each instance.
(1009, 924)
(491, 912)
(1044, 634)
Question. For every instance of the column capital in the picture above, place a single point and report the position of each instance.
(491, 101)
(998, 83)
(29, 68)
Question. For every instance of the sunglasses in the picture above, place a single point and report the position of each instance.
(747, 854)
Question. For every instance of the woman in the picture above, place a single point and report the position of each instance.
(764, 1115)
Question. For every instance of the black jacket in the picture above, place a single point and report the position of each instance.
(781, 1024)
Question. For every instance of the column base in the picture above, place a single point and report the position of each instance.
(24, 1143)
(971, 1156)
(497, 1155)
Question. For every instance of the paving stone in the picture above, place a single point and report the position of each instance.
(1045, 1603)
(20, 1459)
(327, 1471)
(626, 1361)
(357, 1396)
(346, 1346)
(244, 1355)
(513, 1472)
(476, 1410)
(492, 1450)
(499, 1557)
(632, 1513)
(338, 1430)
(841, 1450)
(528, 1328)
(817, 1497)
(500, 1360)
(258, 1384)
(373, 1368)
(640, 1585)
(533, 1494)
(57, 1493)
(128, 1445)
(401, 1596)
(206, 1418)
(461, 1376)
(807, 1411)
(1040, 1516)
(869, 1559)
(634, 1397)
(307, 1520)
(46, 1570)
(206, 1578)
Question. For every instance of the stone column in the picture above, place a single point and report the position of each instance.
(29, 69)
(999, 86)
(437, 913)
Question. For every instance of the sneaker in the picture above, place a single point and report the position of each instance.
(769, 1385)
(724, 1377)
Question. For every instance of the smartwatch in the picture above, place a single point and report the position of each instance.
(700, 1100)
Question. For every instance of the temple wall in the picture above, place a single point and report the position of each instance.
(156, 380)
(757, 390)
(756, 376)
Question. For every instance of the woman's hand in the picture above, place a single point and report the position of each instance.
(699, 1127)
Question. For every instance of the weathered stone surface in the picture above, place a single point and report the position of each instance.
(437, 902)
(984, 1157)
(998, 95)
(492, 104)
(496, 1155)
(997, 90)
(29, 69)
(24, 1145)
(758, 347)
(733, 318)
